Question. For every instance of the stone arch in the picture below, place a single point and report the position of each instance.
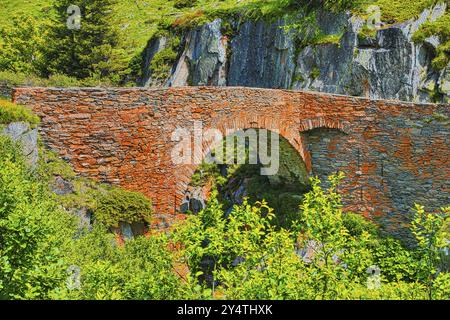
(316, 123)
(291, 131)
(242, 121)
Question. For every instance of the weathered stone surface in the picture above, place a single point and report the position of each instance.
(60, 186)
(392, 153)
(262, 56)
(391, 66)
(27, 137)
(203, 60)
(126, 231)
(194, 200)
(154, 46)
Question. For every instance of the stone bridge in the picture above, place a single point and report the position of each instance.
(392, 153)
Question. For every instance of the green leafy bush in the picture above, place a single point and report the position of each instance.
(441, 28)
(32, 230)
(141, 269)
(431, 233)
(11, 112)
(118, 205)
(179, 4)
(357, 224)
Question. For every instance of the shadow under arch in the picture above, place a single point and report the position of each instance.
(234, 181)
(294, 131)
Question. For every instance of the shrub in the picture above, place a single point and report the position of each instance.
(441, 28)
(162, 63)
(356, 224)
(180, 4)
(10, 112)
(430, 231)
(142, 269)
(32, 230)
(118, 205)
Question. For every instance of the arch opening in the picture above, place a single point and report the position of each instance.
(233, 180)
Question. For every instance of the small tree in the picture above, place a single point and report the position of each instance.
(93, 50)
(335, 256)
(430, 231)
(21, 45)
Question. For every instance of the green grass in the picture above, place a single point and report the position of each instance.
(396, 10)
(328, 39)
(35, 8)
(10, 112)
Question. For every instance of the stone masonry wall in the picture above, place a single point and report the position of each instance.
(393, 153)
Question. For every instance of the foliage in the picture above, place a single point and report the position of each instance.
(328, 39)
(32, 230)
(162, 62)
(315, 73)
(12, 79)
(11, 112)
(441, 28)
(238, 255)
(180, 4)
(119, 205)
(40, 243)
(109, 47)
(357, 224)
(20, 45)
(430, 231)
(93, 50)
(395, 11)
(141, 269)
(326, 255)
(367, 33)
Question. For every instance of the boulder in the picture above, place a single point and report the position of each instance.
(27, 137)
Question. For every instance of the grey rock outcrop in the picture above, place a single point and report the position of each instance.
(389, 66)
(155, 45)
(261, 54)
(203, 59)
(27, 137)
(60, 186)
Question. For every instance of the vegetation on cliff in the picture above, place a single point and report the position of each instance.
(108, 49)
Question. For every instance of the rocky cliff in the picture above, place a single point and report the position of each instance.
(388, 64)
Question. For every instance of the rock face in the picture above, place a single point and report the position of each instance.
(388, 66)
(259, 54)
(155, 45)
(5, 90)
(203, 59)
(27, 137)
(263, 55)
